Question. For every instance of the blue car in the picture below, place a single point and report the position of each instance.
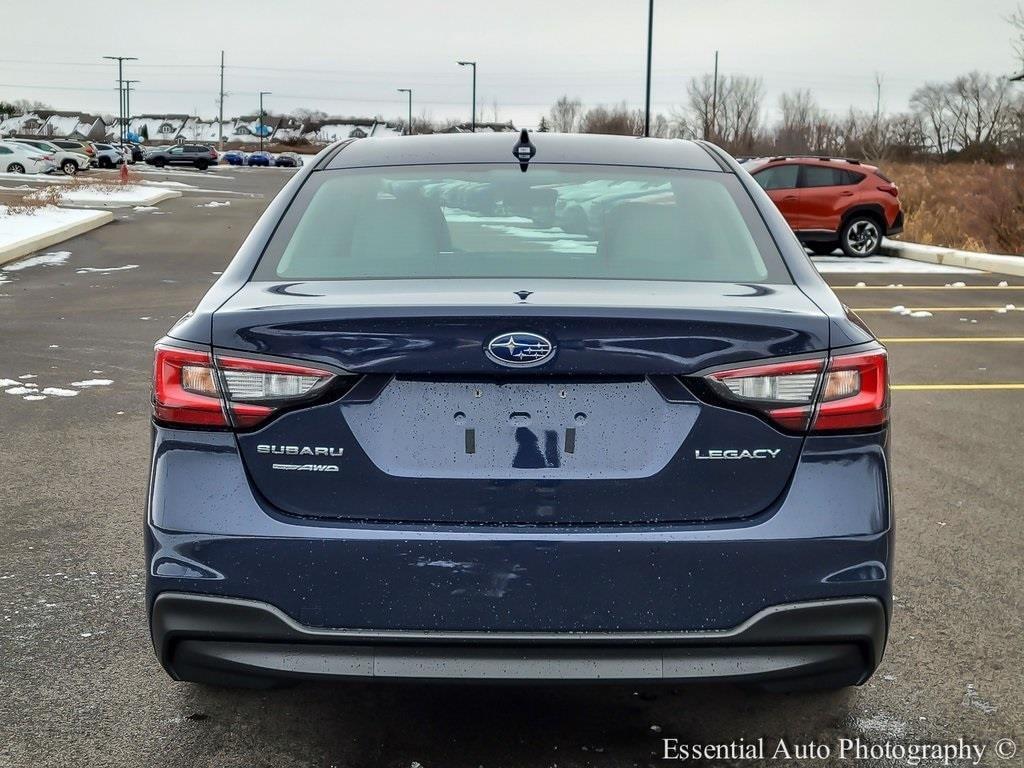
(234, 157)
(404, 438)
(264, 159)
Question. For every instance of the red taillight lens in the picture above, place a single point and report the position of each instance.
(190, 389)
(891, 189)
(185, 389)
(852, 393)
(855, 394)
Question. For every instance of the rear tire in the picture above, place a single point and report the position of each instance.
(159, 162)
(15, 168)
(105, 162)
(861, 237)
(202, 165)
(69, 167)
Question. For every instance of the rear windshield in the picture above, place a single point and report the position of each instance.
(495, 221)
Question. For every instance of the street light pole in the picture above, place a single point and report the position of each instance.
(650, 43)
(128, 100)
(120, 88)
(473, 65)
(260, 129)
(409, 124)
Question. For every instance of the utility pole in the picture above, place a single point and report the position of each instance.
(473, 65)
(128, 100)
(120, 88)
(260, 129)
(650, 44)
(408, 128)
(220, 118)
(714, 105)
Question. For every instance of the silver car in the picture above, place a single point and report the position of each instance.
(68, 161)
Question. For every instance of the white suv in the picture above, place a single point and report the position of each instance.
(69, 162)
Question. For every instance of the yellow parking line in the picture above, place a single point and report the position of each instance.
(950, 387)
(954, 340)
(938, 309)
(927, 288)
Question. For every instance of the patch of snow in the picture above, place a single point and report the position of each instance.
(1003, 284)
(145, 208)
(861, 285)
(9, 383)
(129, 194)
(85, 270)
(882, 264)
(972, 700)
(898, 309)
(213, 204)
(92, 383)
(28, 376)
(59, 392)
(883, 724)
(959, 284)
(920, 313)
(54, 346)
(34, 397)
(52, 259)
(20, 391)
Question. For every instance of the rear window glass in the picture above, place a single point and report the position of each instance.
(495, 221)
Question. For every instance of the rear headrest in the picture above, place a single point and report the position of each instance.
(400, 228)
(636, 231)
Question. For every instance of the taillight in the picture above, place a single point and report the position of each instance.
(189, 388)
(851, 393)
(891, 189)
(855, 394)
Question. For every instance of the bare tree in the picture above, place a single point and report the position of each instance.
(618, 120)
(565, 115)
(1016, 20)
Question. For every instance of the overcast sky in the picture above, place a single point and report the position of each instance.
(347, 58)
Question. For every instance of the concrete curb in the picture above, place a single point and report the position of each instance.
(951, 257)
(24, 247)
(101, 201)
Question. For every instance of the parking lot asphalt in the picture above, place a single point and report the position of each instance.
(79, 684)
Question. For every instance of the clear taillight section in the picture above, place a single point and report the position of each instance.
(852, 392)
(189, 388)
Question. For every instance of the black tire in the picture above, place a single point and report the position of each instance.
(861, 236)
(69, 167)
(822, 249)
(15, 168)
(202, 165)
(159, 162)
(105, 162)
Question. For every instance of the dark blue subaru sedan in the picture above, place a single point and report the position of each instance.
(506, 407)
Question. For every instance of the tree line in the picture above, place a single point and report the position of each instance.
(976, 116)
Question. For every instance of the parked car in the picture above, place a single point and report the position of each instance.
(197, 155)
(461, 447)
(107, 156)
(234, 157)
(264, 159)
(21, 158)
(82, 147)
(132, 152)
(68, 161)
(832, 203)
(288, 160)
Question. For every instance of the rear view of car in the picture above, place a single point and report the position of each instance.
(418, 429)
(832, 203)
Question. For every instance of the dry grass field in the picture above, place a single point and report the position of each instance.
(977, 207)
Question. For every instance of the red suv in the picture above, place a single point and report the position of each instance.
(832, 203)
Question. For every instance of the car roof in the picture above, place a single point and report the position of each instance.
(808, 160)
(589, 149)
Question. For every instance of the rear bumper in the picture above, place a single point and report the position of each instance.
(897, 225)
(243, 642)
(644, 592)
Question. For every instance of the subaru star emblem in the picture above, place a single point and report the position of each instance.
(520, 349)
